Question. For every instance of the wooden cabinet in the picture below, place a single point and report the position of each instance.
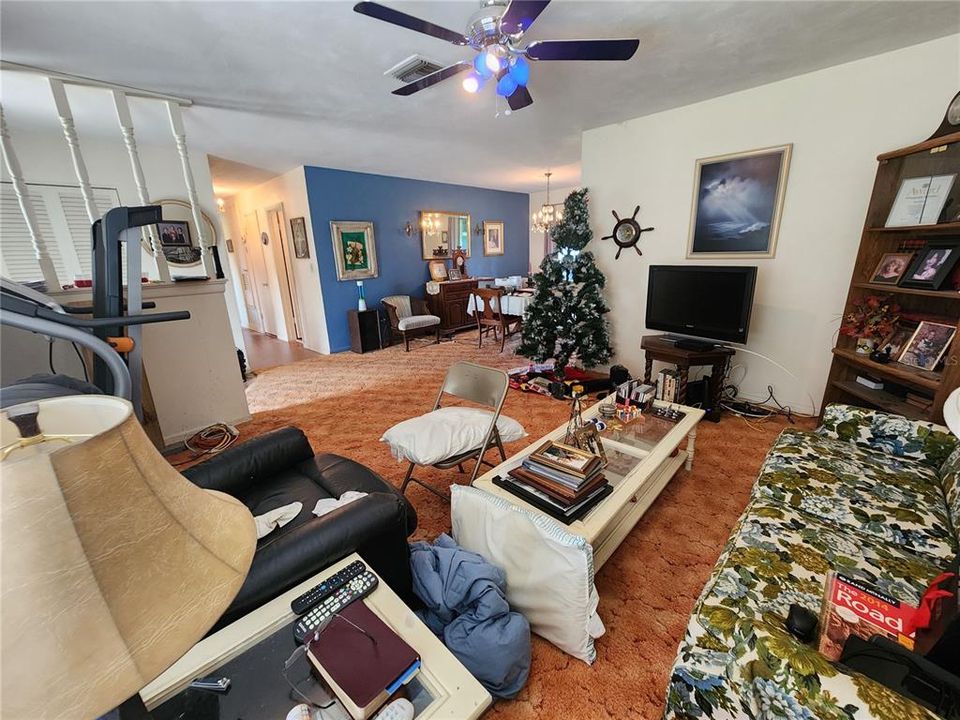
(450, 304)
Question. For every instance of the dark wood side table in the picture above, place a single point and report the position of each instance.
(658, 347)
(364, 330)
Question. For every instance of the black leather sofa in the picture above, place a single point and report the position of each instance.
(279, 468)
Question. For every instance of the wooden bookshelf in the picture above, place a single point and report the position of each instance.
(937, 156)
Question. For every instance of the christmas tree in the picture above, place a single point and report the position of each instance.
(566, 319)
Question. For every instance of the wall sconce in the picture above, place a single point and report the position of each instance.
(478, 230)
(408, 229)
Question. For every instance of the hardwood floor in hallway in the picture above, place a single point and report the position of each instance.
(266, 351)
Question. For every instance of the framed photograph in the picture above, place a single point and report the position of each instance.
(229, 245)
(737, 203)
(891, 268)
(174, 233)
(298, 231)
(932, 265)
(438, 270)
(927, 345)
(454, 274)
(898, 339)
(354, 249)
(492, 237)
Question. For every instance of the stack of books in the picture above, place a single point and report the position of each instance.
(667, 385)
(563, 481)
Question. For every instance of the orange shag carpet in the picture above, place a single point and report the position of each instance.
(345, 402)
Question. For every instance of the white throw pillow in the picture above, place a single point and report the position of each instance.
(549, 570)
(446, 432)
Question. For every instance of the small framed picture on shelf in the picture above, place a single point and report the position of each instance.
(454, 274)
(932, 265)
(927, 345)
(920, 200)
(891, 268)
(897, 340)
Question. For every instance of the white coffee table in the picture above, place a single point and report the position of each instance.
(447, 691)
(643, 457)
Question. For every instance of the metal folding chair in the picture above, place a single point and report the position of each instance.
(482, 386)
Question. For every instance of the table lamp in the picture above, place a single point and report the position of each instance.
(114, 564)
(951, 412)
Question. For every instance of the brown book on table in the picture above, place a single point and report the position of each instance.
(359, 670)
(557, 491)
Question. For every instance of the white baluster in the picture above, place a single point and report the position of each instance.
(26, 208)
(126, 129)
(179, 134)
(73, 142)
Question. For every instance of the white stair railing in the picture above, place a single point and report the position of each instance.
(180, 136)
(47, 270)
(126, 129)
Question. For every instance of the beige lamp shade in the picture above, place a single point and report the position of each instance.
(113, 564)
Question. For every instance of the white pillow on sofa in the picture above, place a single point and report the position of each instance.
(549, 570)
(446, 432)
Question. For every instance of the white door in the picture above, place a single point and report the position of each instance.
(253, 242)
(248, 281)
(280, 241)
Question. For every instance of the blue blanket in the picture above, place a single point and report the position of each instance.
(466, 608)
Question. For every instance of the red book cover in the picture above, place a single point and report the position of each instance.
(853, 607)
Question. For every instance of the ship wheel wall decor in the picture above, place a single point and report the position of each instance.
(626, 233)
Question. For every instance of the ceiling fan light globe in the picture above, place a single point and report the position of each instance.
(491, 61)
(480, 65)
(472, 83)
(506, 86)
(520, 71)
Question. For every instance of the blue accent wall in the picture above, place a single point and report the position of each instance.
(390, 203)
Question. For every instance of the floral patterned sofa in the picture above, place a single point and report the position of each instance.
(874, 495)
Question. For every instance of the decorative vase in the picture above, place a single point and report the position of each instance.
(362, 303)
(865, 345)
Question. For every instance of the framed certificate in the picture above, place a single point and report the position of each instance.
(920, 200)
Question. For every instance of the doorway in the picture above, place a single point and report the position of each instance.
(285, 276)
(254, 243)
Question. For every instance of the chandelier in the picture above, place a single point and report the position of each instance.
(548, 215)
(430, 223)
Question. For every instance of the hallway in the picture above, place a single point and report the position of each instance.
(265, 351)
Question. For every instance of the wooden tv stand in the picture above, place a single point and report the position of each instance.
(663, 349)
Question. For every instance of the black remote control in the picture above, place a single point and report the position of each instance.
(320, 592)
(321, 614)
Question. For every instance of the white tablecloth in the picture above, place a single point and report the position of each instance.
(512, 304)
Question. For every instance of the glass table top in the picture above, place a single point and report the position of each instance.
(643, 433)
(258, 690)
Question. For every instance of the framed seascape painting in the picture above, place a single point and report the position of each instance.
(298, 230)
(354, 249)
(737, 203)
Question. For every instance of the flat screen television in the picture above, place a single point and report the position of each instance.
(711, 302)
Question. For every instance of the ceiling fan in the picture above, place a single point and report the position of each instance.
(496, 32)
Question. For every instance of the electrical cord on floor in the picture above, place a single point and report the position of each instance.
(86, 375)
(53, 370)
(211, 440)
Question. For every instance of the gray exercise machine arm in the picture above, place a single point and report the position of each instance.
(113, 361)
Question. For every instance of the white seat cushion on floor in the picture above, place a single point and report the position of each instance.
(417, 321)
(446, 432)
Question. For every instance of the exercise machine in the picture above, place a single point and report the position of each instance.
(114, 332)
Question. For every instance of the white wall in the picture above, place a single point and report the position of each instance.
(290, 190)
(537, 199)
(838, 119)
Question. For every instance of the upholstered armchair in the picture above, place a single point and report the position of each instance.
(409, 317)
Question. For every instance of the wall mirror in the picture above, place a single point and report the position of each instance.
(442, 232)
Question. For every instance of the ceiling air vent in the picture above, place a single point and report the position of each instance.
(413, 68)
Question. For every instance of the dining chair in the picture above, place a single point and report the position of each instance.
(488, 312)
